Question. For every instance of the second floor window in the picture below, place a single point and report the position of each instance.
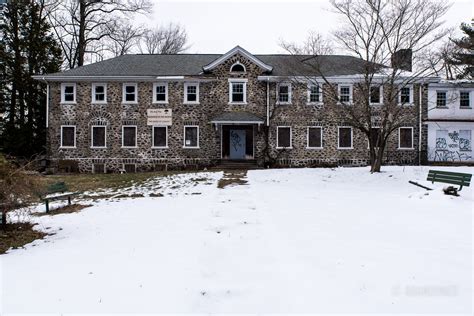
(441, 99)
(345, 95)
(464, 99)
(284, 93)
(238, 90)
(315, 95)
(129, 93)
(375, 95)
(160, 93)
(191, 93)
(99, 93)
(68, 93)
(405, 95)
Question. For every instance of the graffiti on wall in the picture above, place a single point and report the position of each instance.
(453, 146)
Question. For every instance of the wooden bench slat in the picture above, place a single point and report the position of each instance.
(446, 177)
(467, 175)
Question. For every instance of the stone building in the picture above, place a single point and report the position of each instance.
(147, 112)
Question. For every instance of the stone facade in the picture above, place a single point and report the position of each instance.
(213, 100)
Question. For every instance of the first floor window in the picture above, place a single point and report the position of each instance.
(375, 136)
(160, 136)
(129, 93)
(68, 136)
(345, 94)
(68, 93)
(283, 137)
(441, 98)
(464, 100)
(405, 138)
(191, 93)
(344, 137)
(315, 137)
(405, 95)
(98, 93)
(465, 140)
(98, 136)
(238, 92)
(314, 94)
(161, 93)
(375, 95)
(284, 91)
(191, 136)
(129, 136)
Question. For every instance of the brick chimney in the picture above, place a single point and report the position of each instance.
(402, 59)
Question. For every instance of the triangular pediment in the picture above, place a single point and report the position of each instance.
(237, 50)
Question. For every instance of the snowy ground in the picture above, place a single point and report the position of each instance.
(291, 241)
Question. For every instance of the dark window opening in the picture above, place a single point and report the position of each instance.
(237, 92)
(99, 93)
(374, 94)
(68, 136)
(130, 93)
(441, 99)
(129, 136)
(345, 94)
(191, 93)
(314, 137)
(160, 93)
(404, 95)
(159, 136)
(69, 93)
(406, 137)
(345, 137)
(464, 99)
(238, 68)
(284, 93)
(314, 94)
(284, 137)
(98, 136)
(190, 136)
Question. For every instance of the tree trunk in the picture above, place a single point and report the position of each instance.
(81, 45)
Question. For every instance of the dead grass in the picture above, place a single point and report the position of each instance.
(73, 208)
(234, 177)
(17, 235)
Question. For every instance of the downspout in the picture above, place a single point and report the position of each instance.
(420, 104)
(47, 103)
(268, 101)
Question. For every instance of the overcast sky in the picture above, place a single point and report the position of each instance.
(216, 26)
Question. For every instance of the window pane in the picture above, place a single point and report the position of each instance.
(283, 93)
(237, 92)
(68, 135)
(129, 136)
(345, 137)
(314, 137)
(374, 94)
(314, 95)
(441, 99)
(345, 94)
(160, 93)
(191, 93)
(464, 99)
(465, 140)
(405, 95)
(130, 93)
(237, 68)
(190, 136)
(98, 136)
(406, 140)
(284, 137)
(69, 93)
(159, 136)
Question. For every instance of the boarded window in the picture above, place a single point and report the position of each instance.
(465, 140)
(406, 137)
(441, 98)
(68, 136)
(345, 137)
(237, 92)
(98, 168)
(284, 137)
(130, 93)
(284, 93)
(191, 136)
(405, 95)
(129, 136)
(98, 136)
(375, 95)
(191, 93)
(69, 93)
(159, 136)
(99, 93)
(441, 139)
(160, 93)
(315, 137)
(464, 99)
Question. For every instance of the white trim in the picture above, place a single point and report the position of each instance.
(242, 81)
(351, 93)
(291, 138)
(446, 103)
(184, 137)
(136, 136)
(234, 51)
(160, 84)
(308, 97)
(153, 137)
(237, 63)
(412, 138)
(307, 137)
(61, 140)
(127, 84)
(92, 136)
(283, 84)
(352, 138)
(412, 91)
(471, 94)
(63, 87)
(185, 90)
(47, 105)
(93, 99)
(380, 94)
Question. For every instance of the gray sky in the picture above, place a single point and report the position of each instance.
(216, 26)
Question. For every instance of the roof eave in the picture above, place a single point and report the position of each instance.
(234, 51)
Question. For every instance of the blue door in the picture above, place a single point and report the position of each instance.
(237, 144)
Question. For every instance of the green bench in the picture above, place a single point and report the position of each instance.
(57, 191)
(455, 178)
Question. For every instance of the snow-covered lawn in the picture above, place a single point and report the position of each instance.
(291, 241)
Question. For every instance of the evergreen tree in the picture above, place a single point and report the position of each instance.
(464, 56)
(27, 48)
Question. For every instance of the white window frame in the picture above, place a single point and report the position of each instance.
(184, 137)
(411, 102)
(186, 85)
(351, 92)
(244, 82)
(308, 101)
(75, 136)
(307, 137)
(160, 84)
(470, 99)
(412, 138)
(92, 136)
(63, 89)
(153, 137)
(446, 99)
(291, 137)
(127, 84)
(352, 138)
(380, 96)
(136, 136)
(283, 84)
(94, 101)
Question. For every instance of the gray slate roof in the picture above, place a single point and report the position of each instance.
(191, 65)
(237, 116)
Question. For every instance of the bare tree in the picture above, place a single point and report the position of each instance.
(172, 39)
(123, 38)
(315, 44)
(381, 33)
(79, 24)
